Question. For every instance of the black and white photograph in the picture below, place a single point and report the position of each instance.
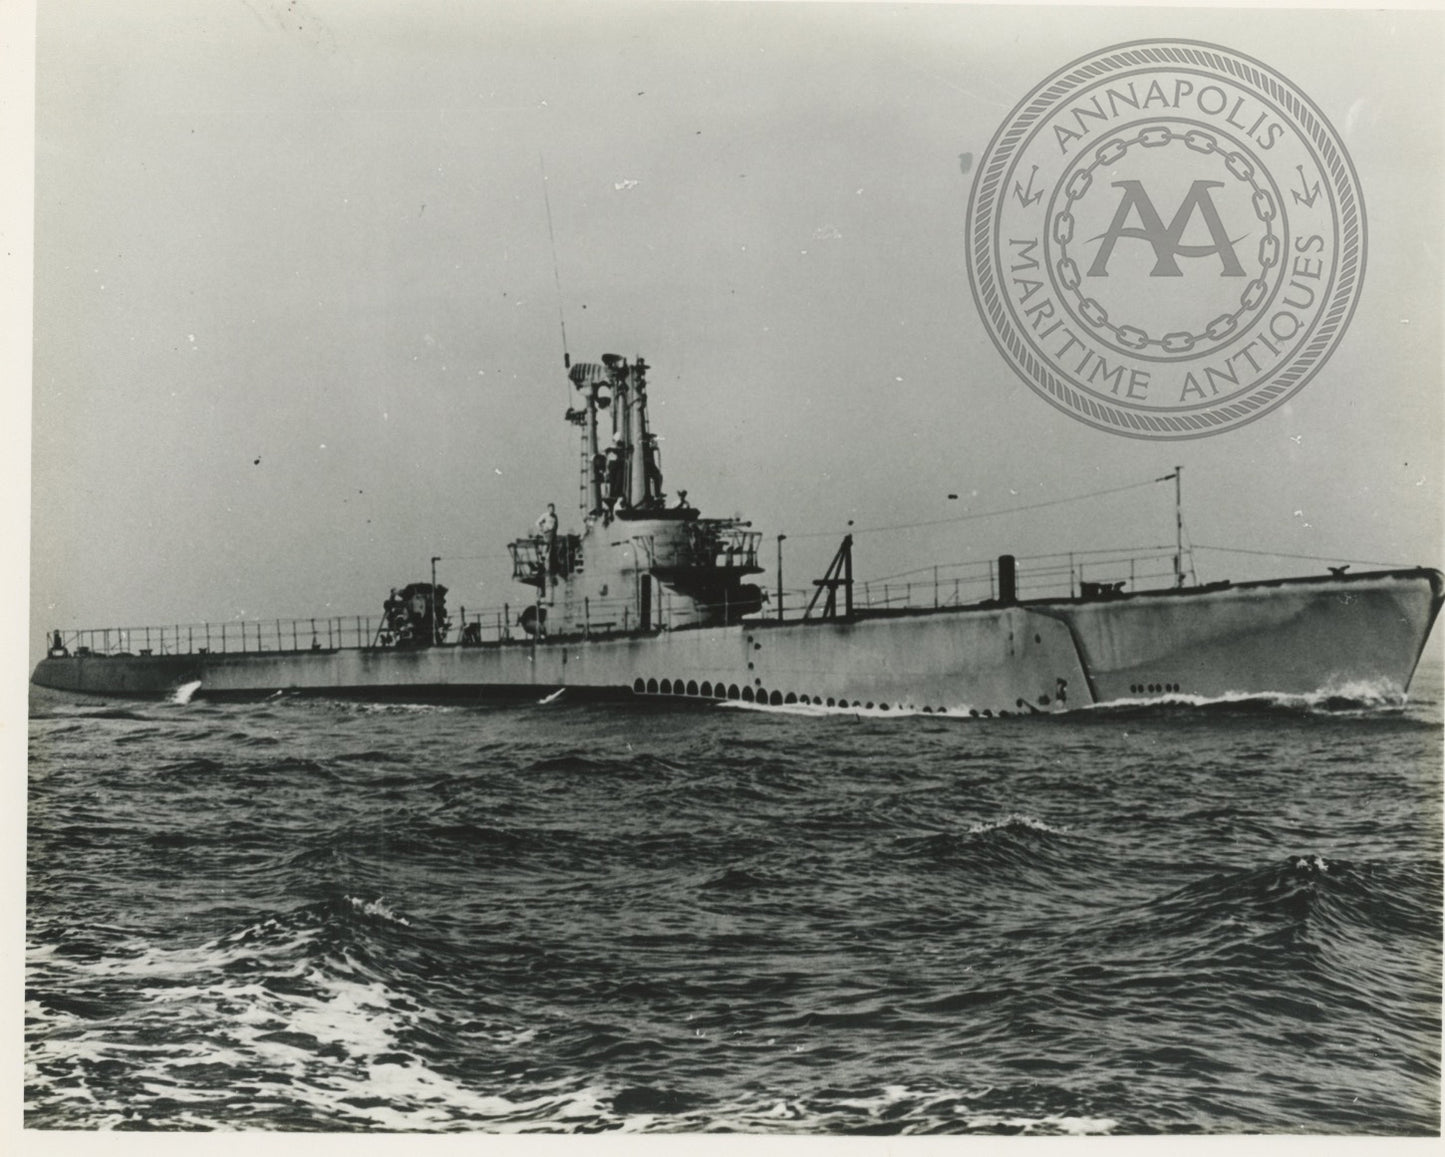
(807, 570)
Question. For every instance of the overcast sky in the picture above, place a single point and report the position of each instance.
(297, 323)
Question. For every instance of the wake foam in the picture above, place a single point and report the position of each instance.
(819, 712)
(1362, 697)
(1357, 697)
(182, 694)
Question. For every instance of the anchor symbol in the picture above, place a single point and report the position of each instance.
(1308, 197)
(1023, 194)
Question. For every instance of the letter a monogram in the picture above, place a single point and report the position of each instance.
(1165, 239)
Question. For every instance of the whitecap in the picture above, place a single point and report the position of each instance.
(377, 907)
(1015, 820)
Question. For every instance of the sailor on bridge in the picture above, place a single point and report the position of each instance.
(547, 524)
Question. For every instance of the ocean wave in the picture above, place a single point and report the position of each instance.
(1302, 913)
(1014, 820)
(629, 920)
(741, 880)
(131, 714)
(1024, 833)
(1234, 909)
(276, 1021)
(1020, 849)
(390, 758)
(629, 764)
(187, 768)
(474, 839)
(570, 761)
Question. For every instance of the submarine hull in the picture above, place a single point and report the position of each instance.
(1358, 635)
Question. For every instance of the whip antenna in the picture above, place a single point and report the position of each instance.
(556, 276)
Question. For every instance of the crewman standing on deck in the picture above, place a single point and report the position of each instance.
(614, 478)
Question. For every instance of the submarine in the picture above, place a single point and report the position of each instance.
(649, 599)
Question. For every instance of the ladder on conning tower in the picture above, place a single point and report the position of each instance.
(585, 465)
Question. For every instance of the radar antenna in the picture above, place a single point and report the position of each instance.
(556, 276)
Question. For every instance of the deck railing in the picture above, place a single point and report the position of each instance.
(232, 637)
(933, 587)
(1062, 575)
(488, 626)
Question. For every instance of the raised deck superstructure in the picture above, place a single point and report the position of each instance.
(649, 598)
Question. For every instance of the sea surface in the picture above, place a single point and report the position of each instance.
(560, 917)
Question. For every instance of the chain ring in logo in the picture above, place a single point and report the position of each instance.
(1166, 239)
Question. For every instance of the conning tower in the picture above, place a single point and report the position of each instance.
(638, 564)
